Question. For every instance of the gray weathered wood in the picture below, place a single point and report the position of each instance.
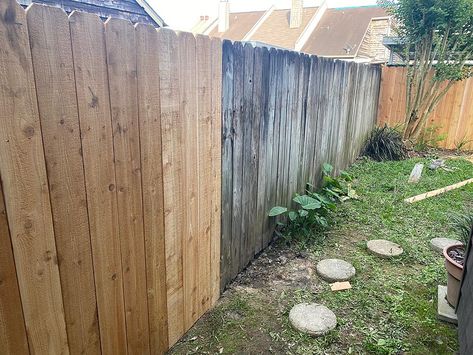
(284, 115)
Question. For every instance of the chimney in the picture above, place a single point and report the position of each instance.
(296, 14)
(223, 16)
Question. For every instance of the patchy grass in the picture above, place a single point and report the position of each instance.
(391, 308)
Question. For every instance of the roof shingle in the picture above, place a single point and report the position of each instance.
(276, 31)
(340, 31)
(240, 24)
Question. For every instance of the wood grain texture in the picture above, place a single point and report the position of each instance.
(149, 106)
(452, 119)
(25, 188)
(93, 97)
(122, 74)
(285, 114)
(190, 175)
(12, 323)
(54, 75)
(216, 142)
(173, 126)
(204, 171)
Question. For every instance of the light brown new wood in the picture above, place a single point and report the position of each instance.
(452, 120)
(188, 114)
(173, 126)
(54, 75)
(88, 46)
(152, 181)
(216, 141)
(121, 61)
(205, 172)
(25, 188)
(12, 324)
(438, 191)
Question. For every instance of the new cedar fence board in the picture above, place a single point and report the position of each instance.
(111, 179)
(284, 115)
(452, 120)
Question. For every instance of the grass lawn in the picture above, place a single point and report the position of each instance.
(391, 308)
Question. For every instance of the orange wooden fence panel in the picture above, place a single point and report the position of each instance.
(452, 120)
(110, 170)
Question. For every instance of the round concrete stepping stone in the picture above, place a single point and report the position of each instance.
(312, 318)
(384, 248)
(438, 244)
(333, 270)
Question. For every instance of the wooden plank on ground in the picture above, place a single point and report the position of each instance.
(88, 47)
(226, 258)
(191, 162)
(121, 63)
(204, 172)
(149, 107)
(438, 191)
(216, 141)
(54, 75)
(26, 189)
(173, 155)
(12, 323)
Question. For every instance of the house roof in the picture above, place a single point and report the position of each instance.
(341, 31)
(284, 36)
(240, 24)
(133, 10)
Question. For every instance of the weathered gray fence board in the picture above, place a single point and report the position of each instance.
(284, 115)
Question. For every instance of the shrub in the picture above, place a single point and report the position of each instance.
(385, 143)
(463, 225)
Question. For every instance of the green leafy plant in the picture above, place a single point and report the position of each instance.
(312, 209)
(385, 143)
(338, 189)
(463, 225)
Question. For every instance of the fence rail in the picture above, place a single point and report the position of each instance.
(284, 115)
(110, 169)
(450, 125)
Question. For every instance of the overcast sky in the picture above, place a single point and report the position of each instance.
(183, 14)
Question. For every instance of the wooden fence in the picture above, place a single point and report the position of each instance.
(284, 115)
(110, 169)
(452, 120)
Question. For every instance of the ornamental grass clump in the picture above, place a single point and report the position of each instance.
(385, 143)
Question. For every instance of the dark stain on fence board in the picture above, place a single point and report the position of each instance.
(291, 113)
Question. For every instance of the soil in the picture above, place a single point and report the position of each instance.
(457, 254)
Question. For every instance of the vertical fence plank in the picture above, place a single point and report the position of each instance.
(190, 192)
(54, 76)
(237, 179)
(257, 115)
(247, 187)
(26, 189)
(172, 125)
(88, 47)
(12, 323)
(216, 142)
(226, 258)
(205, 177)
(121, 63)
(149, 107)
